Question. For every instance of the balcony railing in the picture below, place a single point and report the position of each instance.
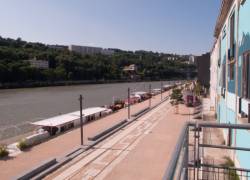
(188, 161)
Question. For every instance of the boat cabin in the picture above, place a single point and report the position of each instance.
(68, 121)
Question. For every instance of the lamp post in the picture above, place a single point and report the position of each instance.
(149, 89)
(128, 103)
(81, 119)
(161, 90)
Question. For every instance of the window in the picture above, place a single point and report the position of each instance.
(245, 76)
(232, 24)
(232, 49)
(232, 38)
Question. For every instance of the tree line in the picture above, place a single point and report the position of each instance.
(70, 66)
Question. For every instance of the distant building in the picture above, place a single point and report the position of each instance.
(191, 59)
(130, 68)
(203, 69)
(40, 64)
(170, 58)
(131, 71)
(107, 52)
(84, 50)
(59, 47)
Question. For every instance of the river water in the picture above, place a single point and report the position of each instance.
(19, 107)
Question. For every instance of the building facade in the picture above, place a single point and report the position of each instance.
(83, 50)
(40, 64)
(230, 73)
(108, 52)
(203, 69)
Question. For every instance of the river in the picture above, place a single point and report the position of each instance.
(19, 107)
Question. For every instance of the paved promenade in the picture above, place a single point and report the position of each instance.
(140, 151)
(64, 143)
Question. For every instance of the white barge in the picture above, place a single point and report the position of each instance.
(65, 122)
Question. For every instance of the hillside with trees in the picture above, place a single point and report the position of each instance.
(65, 65)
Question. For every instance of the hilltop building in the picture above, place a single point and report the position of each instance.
(40, 64)
(130, 68)
(84, 50)
(230, 73)
(191, 59)
(131, 71)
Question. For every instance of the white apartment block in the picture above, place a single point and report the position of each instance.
(83, 50)
(107, 51)
(41, 64)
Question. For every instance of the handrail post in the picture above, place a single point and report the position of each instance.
(229, 137)
(187, 153)
(150, 96)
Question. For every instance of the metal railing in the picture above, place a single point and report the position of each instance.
(188, 160)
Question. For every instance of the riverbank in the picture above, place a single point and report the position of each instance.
(71, 83)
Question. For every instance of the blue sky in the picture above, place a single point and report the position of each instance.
(175, 26)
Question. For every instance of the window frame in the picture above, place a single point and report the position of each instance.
(232, 30)
(231, 50)
(245, 75)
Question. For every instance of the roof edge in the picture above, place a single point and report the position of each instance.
(224, 9)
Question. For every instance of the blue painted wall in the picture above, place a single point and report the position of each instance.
(244, 38)
(243, 136)
(244, 28)
(243, 140)
(222, 111)
(224, 114)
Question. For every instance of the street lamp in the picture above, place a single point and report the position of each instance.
(81, 119)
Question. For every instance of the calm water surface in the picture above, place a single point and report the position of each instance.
(19, 107)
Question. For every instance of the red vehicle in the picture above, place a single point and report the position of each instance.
(189, 100)
(133, 100)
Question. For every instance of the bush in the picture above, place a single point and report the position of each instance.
(3, 151)
(22, 145)
(176, 96)
(232, 174)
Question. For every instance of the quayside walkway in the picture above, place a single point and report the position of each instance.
(141, 150)
(65, 143)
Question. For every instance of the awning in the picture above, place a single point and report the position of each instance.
(67, 118)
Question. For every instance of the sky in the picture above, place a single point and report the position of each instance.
(169, 26)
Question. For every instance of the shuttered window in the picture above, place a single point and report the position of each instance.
(245, 76)
(232, 25)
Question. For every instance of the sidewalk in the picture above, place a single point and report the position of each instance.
(64, 143)
(140, 151)
(150, 158)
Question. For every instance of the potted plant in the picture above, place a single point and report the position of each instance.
(3, 151)
(22, 145)
(176, 98)
(197, 92)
